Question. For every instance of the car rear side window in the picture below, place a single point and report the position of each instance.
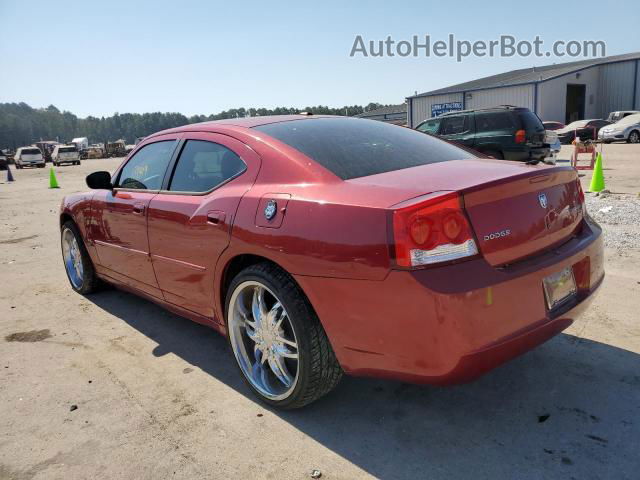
(492, 121)
(203, 165)
(530, 121)
(146, 169)
(352, 148)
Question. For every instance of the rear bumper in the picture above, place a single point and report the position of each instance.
(451, 324)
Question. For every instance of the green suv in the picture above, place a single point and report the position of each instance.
(505, 132)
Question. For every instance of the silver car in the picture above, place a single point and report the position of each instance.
(625, 130)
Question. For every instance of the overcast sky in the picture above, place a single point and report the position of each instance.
(97, 58)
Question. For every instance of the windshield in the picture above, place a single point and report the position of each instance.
(629, 119)
(352, 148)
(578, 124)
(31, 151)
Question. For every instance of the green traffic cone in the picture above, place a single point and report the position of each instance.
(597, 180)
(53, 183)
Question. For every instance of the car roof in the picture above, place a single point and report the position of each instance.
(246, 122)
(499, 108)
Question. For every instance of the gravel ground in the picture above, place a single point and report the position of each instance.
(619, 215)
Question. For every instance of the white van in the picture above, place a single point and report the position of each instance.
(65, 154)
(28, 156)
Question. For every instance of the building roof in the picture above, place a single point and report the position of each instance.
(388, 110)
(529, 75)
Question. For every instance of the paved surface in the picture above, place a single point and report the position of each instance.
(159, 397)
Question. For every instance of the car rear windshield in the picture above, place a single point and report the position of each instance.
(31, 151)
(352, 148)
(530, 121)
(67, 149)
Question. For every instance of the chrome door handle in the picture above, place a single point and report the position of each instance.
(215, 217)
(138, 208)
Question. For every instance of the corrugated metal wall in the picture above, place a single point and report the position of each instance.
(421, 106)
(637, 105)
(616, 88)
(552, 95)
(519, 96)
(609, 88)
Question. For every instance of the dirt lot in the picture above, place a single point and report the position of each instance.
(111, 386)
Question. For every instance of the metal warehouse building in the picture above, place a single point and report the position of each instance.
(563, 92)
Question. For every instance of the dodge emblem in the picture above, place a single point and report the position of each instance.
(542, 198)
(270, 210)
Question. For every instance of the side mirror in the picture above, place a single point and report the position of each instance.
(99, 181)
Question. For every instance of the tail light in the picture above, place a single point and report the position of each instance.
(433, 231)
(521, 136)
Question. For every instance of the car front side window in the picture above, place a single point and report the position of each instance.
(430, 126)
(146, 169)
(204, 165)
(454, 125)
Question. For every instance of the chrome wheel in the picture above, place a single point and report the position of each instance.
(263, 340)
(634, 137)
(72, 258)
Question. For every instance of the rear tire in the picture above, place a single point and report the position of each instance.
(76, 259)
(268, 317)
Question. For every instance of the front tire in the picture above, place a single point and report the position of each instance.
(280, 347)
(634, 137)
(77, 262)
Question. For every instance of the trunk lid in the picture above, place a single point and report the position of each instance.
(517, 217)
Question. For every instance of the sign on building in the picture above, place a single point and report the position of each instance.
(440, 108)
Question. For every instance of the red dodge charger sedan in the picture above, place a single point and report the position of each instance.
(321, 245)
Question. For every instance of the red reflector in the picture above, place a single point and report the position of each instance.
(433, 231)
(521, 136)
(420, 230)
(452, 226)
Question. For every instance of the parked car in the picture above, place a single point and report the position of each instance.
(445, 264)
(65, 154)
(95, 151)
(585, 129)
(28, 156)
(553, 125)
(510, 133)
(627, 130)
(617, 116)
(551, 139)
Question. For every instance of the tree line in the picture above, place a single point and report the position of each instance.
(22, 125)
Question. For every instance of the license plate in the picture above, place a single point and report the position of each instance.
(559, 287)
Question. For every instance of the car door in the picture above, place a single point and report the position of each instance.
(119, 226)
(190, 219)
(458, 129)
